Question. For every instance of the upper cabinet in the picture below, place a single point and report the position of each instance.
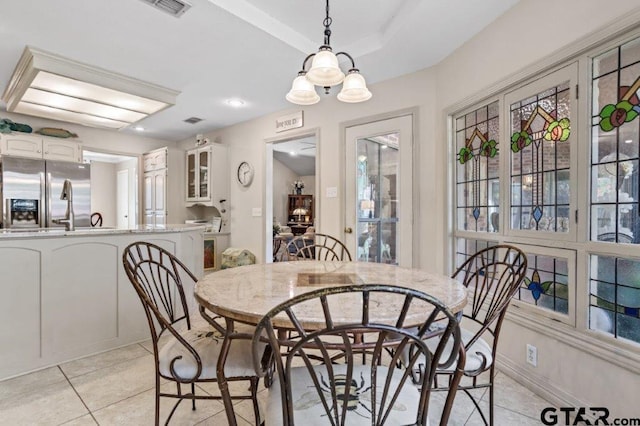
(35, 146)
(155, 160)
(207, 177)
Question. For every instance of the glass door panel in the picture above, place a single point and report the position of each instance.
(377, 198)
(203, 173)
(191, 176)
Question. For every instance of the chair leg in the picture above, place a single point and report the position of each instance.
(157, 417)
(254, 398)
(491, 397)
(454, 382)
(193, 392)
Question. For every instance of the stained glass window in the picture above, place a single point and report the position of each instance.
(465, 248)
(540, 161)
(477, 182)
(615, 145)
(615, 296)
(546, 283)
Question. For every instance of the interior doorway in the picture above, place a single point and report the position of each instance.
(291, 201)
(114, 188)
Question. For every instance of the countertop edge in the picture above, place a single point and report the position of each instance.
(55, 233)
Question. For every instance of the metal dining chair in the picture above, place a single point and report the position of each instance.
(318, 247)
(307, 392)
(492, 276)
(190, 347)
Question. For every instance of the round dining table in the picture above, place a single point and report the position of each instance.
(245, 294)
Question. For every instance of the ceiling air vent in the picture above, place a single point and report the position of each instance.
(193, 120)
(173, 7)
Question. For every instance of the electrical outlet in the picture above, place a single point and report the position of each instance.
(532, 355)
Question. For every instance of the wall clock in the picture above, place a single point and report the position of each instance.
(245, 173)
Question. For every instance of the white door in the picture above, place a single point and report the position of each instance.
(122, 200)
(378, 191)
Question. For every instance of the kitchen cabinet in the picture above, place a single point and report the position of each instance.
(162, 192)
(155, 160)
(155, 195)
(35, 146)
(207, 176)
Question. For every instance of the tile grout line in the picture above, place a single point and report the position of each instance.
(79, 397)
(107, 366)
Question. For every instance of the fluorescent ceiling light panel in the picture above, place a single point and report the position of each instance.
(45, 85)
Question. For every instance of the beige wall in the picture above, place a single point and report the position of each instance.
(247, 143)
(104, 191)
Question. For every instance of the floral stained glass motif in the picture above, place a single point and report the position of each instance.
(477, 146)
(615, 297)
(615, 183)
(545, 284)
(540, 161)
(625, 111)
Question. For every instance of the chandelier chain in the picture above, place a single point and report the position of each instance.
(327, 24)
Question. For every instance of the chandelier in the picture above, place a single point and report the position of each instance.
(325, 72)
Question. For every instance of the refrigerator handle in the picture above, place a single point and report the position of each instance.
(7, 214)
(46, 183)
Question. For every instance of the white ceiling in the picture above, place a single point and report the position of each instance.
(248, 49)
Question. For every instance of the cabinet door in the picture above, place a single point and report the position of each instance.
(148, 198)
(155, 160)
(219, 175)
(204, 166)
(61, 150)
(191, 176)
(21, 146)
(159, 190)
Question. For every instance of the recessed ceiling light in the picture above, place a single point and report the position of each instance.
(384, 146)
(292, 153)
(236, 103)
(139, 128)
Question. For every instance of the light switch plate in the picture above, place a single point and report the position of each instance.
(256, 212)
(332, 192)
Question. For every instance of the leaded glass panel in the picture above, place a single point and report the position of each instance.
(546, 283)
(615, 145)
(477, 169)
(465, 248)
(614, 302)
(540, 161)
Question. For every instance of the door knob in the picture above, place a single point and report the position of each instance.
(348, 230)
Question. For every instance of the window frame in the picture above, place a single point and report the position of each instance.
(582, 52)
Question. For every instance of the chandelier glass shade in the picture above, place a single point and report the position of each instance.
(325, 72)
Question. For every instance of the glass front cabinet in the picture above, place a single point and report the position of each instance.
(207, 178)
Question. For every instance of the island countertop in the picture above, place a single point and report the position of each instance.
(29, 233)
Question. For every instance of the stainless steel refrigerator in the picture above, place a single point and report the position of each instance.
(30, 191)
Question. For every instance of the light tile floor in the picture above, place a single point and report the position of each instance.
(117, 388)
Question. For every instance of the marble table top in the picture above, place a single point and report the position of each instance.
(246, 293)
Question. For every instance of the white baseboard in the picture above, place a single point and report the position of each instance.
(537, 384)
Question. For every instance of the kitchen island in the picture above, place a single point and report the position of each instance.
(65, 294)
